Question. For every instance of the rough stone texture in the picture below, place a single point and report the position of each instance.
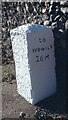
(16, 13)
(33, 49)
(50, 13)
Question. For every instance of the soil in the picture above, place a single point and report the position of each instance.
(13, 104)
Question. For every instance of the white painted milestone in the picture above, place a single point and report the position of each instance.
(33, 50)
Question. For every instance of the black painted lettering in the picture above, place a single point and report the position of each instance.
(42, 49)
(44, 40)
(37, 58)
(40, 40)
(35, 49)
(47, 56)
(41, 58)
(38, 49)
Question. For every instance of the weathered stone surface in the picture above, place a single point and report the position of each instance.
(33, 49)
(12, 18)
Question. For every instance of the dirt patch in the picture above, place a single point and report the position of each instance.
(13, 103)
(8, 72)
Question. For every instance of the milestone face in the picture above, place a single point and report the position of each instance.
(33, 49)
